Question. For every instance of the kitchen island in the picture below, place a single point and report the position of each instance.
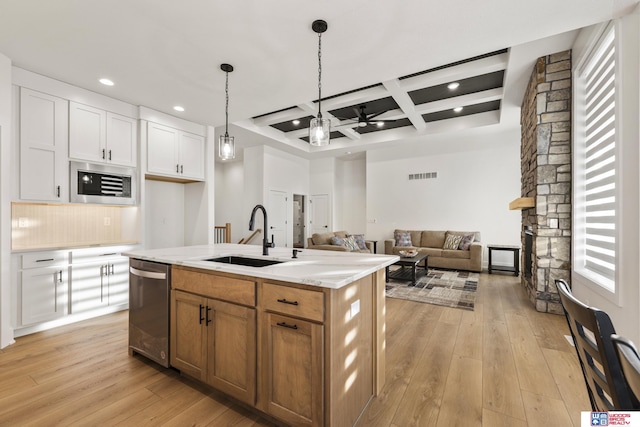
(301, 340)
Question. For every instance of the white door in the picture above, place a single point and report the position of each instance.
(277, 218)
(44, 137)
(122, 140)
(319, 214)
(87, 133)
(162, 150)
(191, 155)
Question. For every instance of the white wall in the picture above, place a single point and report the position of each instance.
(353, 182)
(624, 307)
(6, 332)
(164, 214)
(478, 175)
(230, 199)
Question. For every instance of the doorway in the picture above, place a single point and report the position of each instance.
(299, 220)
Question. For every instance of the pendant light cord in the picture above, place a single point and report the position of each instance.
(226, 107)
(319, 75)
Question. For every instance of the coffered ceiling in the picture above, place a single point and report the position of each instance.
(393, 58)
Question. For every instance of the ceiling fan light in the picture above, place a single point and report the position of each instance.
(457, 109)
(226, 147)
(319, 131)
(453, 85)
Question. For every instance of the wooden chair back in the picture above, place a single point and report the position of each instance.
(630, 363)
(591, 330)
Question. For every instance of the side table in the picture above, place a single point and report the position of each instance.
(516, 258)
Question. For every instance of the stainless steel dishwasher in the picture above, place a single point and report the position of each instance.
(149, 293)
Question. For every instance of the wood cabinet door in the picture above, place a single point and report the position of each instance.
(294, 371)
(122, 140)
(188, 334)
(87, 133)
(232, 350)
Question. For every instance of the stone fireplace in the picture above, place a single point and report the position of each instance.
(546, 178)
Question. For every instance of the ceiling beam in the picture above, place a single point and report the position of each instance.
(405, 103)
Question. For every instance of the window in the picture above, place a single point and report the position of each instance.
(595, 164)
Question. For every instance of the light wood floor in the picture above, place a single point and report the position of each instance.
(503, 364)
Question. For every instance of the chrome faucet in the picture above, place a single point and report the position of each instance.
(265, 242)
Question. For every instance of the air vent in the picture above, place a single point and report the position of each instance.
(423, 175)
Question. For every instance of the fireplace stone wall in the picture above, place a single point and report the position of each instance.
(546, 176)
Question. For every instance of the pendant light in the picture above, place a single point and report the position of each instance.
(319, 128)
(226, 146)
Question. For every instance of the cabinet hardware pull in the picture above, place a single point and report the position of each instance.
(44, 260)
(109, 154)
(208, 310)
(113, 271)
(284, 324)
(284, 301)
(201, 318)
(58, 191)
(109, 254)
(177, 168)
(103, 156)
(181, 168)
(60, 277)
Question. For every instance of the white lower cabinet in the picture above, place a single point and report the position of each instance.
(44, 287)
(98, 279)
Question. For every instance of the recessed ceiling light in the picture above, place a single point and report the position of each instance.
(296, 122)
(453, 86)
(106, 82)
(380, 124)
(457, 109)
(178, 108)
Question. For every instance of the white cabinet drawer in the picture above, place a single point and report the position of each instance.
(45, 259)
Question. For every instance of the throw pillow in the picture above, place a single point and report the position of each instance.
(402, 238)
(337, 241)
(452, 241)
(351, 244)
(359, 238)
(466, 241)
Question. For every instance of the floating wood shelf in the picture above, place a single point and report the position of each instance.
(522, 203)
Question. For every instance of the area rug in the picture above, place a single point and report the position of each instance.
(440, 287)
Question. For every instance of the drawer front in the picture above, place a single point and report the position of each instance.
(209, 285)
(45, 259)
(293, 301)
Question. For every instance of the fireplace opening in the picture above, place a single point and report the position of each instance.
(528, 248)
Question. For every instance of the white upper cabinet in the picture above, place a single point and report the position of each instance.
(44, 166)
(191, 155)
(174, 153)
(96, 135)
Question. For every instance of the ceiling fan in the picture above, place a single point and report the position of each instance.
(363, 119)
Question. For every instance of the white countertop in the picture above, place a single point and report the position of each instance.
(329, 269)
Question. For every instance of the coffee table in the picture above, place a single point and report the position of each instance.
(409, 274)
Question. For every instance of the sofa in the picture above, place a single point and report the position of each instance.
(336, 241)
(467, 255)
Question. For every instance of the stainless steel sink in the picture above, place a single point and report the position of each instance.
(249, 262)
